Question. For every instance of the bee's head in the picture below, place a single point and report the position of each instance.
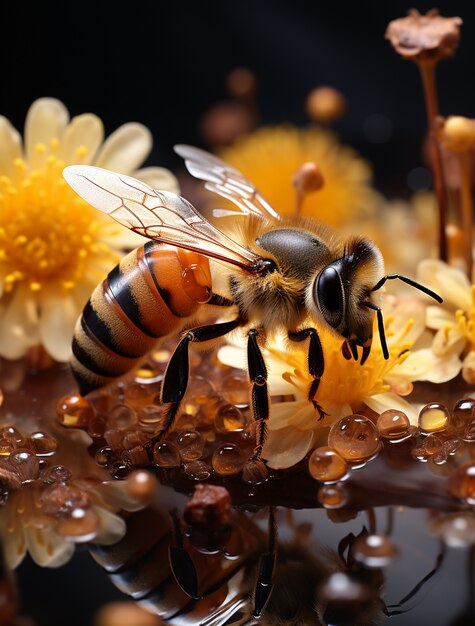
(342, 290)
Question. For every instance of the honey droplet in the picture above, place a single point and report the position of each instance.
(393, 424)
(374, 550)
(432, 444)
(56, 474)
(326, 465)
(462, 483)
(97, 426)
(463, 414)
(235, 389)
(185, 421)
(332, 496)
(230, 419)
(433, 417)
(12, 435)
(197, 470)
(74, 411)
(166, 454)
(141, 485)
(122, 417)
(150, 417)
(42, 444)
(355, 438)
(25, 464)
(105, 456)
(227, 460)
(199, 390)
(255, 472)
(190, 444)
(82, 523)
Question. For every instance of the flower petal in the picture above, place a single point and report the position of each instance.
(232, 356)
(126, 149)
(468, 368)
(298, 414)
(46, 120)
(449, 282)
(18, 324)
(84, 131)
(384, 401)
(47, 548)
(286, 447)
(111, 527)
(159, 178)
(438, 317)
(10, 147)
(425, 365)
(58, 318)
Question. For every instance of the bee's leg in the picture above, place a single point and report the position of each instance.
(181, 564)
(265, 569)
(177, 373)
(259, 394)
(315, 362)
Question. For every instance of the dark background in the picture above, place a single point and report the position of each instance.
(164, 64)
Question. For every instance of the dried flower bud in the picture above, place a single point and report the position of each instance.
(241, 83)
(325, 104)
(427, 37)
(307, 179)
(457, 133)
(210, 506)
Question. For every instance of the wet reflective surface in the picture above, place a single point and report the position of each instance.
(392, 542)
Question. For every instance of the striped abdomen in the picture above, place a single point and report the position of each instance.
(148, 295)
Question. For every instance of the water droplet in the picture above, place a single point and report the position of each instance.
(25, 464)
(228, 460)
(462, 483)
(56, 474)
(393, 424)
(42, 444)
(197, 470)
(433, 417)
(373, 550)
(81, 524)
(463, 414)
(230, 420)
(122, 417)
(326, 465)
(74, 411)
(235, 389)
(150, 417)
(166, 454)
(332, 496)
(190, 444)
(105, 456)
(355, 438)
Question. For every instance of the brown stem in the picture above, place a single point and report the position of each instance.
(466, 202)
(427, 69)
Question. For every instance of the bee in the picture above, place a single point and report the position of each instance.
(274, 274)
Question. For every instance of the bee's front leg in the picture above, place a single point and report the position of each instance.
(259, 393)
(315, 362)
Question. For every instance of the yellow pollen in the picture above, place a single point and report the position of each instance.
(47, 232)
(347, 381)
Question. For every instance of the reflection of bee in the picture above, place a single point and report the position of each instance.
(284, 274)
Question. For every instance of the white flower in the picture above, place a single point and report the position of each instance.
(55, 248)
(346, 386)
(454, 321)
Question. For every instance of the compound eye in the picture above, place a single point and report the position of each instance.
(329, 296)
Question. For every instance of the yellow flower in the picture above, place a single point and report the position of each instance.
(454, 321)
(270, 156)
(346, 386)
(54, 247)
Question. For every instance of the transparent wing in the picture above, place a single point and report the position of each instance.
(225, 181)
(159, 215)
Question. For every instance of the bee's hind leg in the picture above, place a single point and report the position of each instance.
(177, 373)
(259, 393)
(315, 362)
